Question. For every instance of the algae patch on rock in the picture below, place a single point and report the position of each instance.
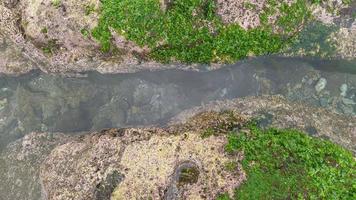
(67, 36)
(288, 164)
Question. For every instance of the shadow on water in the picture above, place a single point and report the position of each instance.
(42, 102)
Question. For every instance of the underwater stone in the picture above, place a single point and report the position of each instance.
(321, 85)
(347, 109)
(348, 101)
(324, 102)
(343, 89)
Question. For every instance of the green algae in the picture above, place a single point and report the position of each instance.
(189, 30)
(288, 164)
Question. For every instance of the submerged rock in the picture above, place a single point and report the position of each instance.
(320, 85)
(20, 163)
(343, 90)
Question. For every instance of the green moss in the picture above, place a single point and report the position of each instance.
(207, 133)
(231, 166)
(190, 31)
(44, 30)
(223, 197)
(56, 3)
(51, 47)
(293, 17)
(250, 6)
(288, 164)
(89, 9)
(85, 32)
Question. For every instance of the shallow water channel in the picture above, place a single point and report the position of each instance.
(52, 103)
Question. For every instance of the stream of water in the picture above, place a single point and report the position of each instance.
(42, 102)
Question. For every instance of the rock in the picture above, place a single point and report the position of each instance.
(311, 130)
(339, 128)
(12, 60)
(246, 13)
(143, 161)
(41, 35)
(185, 174)
(320, 85)
(76, 169)
(264, 120)
(107, 186)
(348, 101)
(324, 102)
(351, 94)
(343, 90)
(20, 163)
(347, 109)
(11, 3)
(55, 38)
(343, 40)
(175, 161)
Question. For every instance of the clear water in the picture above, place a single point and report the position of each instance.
(42, 102)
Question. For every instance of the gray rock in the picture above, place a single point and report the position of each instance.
(348, 101)
(20, 163)
(343, 89)
(11, 3)
(320, 85)
(311, 130)
(107, 186)
(324, 102)
(346, 109)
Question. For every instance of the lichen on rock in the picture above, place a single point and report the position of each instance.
(146, 160)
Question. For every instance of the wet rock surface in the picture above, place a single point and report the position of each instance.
(277, 111)
(20, 163)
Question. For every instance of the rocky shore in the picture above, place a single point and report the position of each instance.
(54, 36)
(76, 122)
(172, 162)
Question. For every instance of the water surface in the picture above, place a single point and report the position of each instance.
(42, 102)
